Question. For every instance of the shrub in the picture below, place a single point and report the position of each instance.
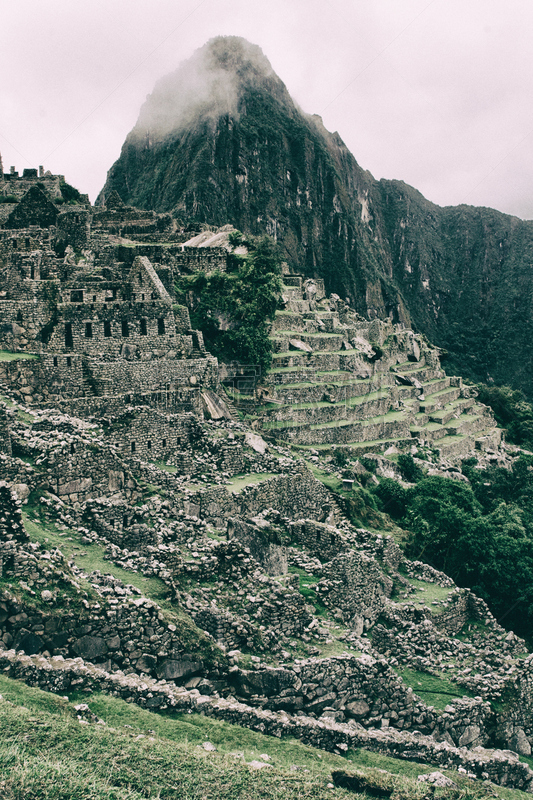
(410, 470)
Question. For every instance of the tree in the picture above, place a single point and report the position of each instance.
(233, 308)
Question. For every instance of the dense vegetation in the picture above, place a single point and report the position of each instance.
(233, 308)
(512, 412)
(480, 533)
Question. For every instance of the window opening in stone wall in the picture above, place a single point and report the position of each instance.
(149, 445)
(160, 326)
(72, 448)
(19, 317)
(144, 330)
(69, 341)
(69, 361)
(76, 296)
(124, 521)
(15, 243)
(107, 329)
(140, 279)
(94, 298)
(55, 361)
(32, 273)
(125, 328)
(164, 442)
(27, 242)
(88, 330)
(133, 447)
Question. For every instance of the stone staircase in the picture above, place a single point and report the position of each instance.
(338, 379)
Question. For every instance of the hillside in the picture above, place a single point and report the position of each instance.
(239, 542)
(221, 141)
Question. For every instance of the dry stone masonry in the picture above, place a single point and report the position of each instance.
(254, 596)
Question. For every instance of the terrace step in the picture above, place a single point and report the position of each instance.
(320, 342)
(290, 394)
(435, 385)
(466, 424)
(387, 426)
(354, 408)
(429, 432)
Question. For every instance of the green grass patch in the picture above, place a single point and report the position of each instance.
(46, 754)
(427, 592)
(456, 423)
(307, 582)
(166, 467)
(240, 482)
(90, 557)
(434, 691)
(5, 355)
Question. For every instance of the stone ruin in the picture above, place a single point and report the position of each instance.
(120, 432)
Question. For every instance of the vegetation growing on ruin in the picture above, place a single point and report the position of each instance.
(233, 308)
(480, 533)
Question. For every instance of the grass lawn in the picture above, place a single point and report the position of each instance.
(427, 592)
(435, 691)
(240, 482)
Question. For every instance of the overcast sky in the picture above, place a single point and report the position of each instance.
(436, 93)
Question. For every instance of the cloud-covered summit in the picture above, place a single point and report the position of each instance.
(209, 85)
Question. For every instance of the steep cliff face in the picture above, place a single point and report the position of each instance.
(220, 140)
(466, 276)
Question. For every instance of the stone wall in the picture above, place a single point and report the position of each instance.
(5, 432)
(301, 493)
(173, 382)
(354, 584)
(151, 435)
(79, 473)
(61, 675)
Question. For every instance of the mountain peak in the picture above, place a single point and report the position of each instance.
(208, 85)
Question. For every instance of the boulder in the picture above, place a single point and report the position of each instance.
(214, 407)
(30, 642)
(76, 486)
(437, 779)
(22, 490)
(90, 647)
(470, 735)
(172, 670)
(146, 663)
(255, 441)
(520, 743)
(359, 708)
(297, 344)
(363, 346)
